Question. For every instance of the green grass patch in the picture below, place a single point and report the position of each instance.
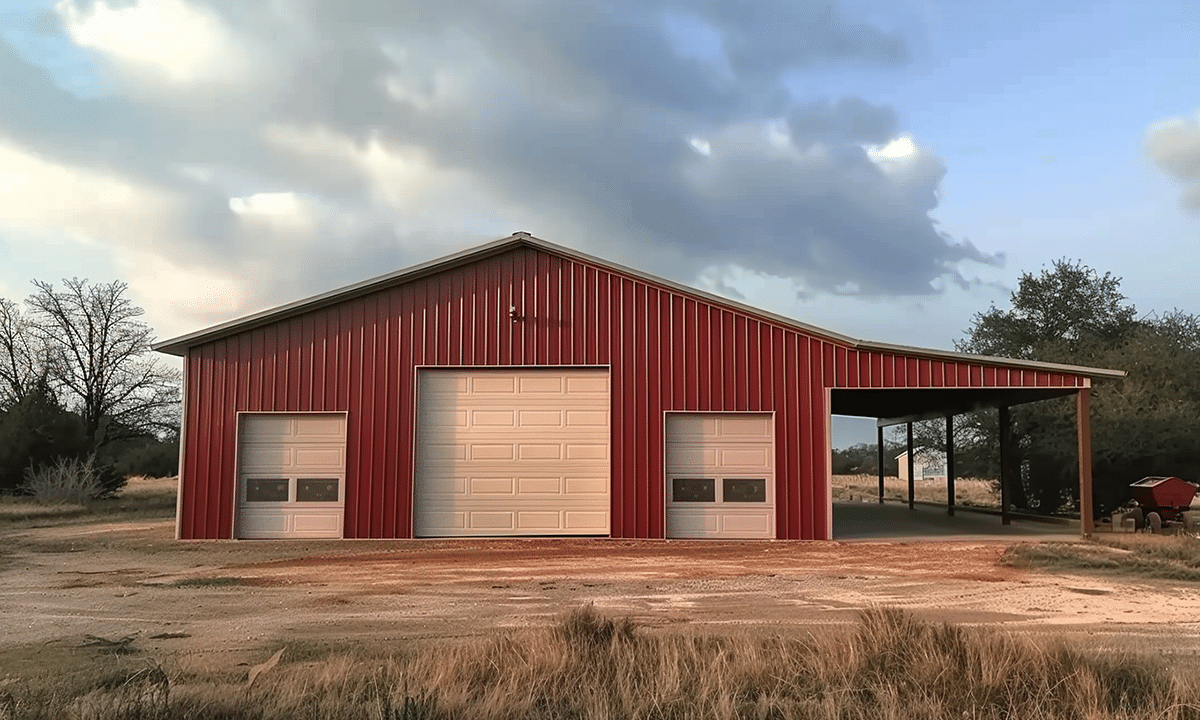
(1164, 557)
(890, 666)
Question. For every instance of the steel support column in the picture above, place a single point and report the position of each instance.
(1005, 463)
(911, 467)
(880, 449)
(949, 464)
(1083, 425)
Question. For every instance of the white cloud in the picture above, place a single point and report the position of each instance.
(38, 194)
(182, 42)
(901, 147)
(287, 148)
(179, 298)
(1174, 145)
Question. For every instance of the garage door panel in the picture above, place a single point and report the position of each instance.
(744, 457)
(493, 383)
(745, 427)
(585, 521)
(492, 486)
(323, 524)
(261, 523)
(301, 457)
(329, 428)
(540, 486)
(450, 519)
(731, 455)
(587, 418)
(491, 520)
(748, 524)
(541, 384)
(539, 520)
(266, 457)
(587, 486)
(533, 452)
(589, 451)
(595, 385)
(482, 451)
(450, 418)
(541, 418)
(320, 457)
(539, 451)
(487, 419)
(444, 452)
(693, 524)
(690, 458)
(268, 426)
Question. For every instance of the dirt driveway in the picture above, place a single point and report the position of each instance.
(211, 605)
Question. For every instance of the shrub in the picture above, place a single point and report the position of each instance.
(33, 432)
(65, 481)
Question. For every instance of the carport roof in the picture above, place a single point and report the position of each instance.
(850, 405)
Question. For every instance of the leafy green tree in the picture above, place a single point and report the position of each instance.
(1144, 424)
(1058, 312)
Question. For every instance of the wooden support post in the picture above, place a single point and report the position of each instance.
(912, 488)
(880, 448)
(1083, 426)
(950, 465)
(1005, 463)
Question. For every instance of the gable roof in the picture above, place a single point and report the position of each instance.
(179, 345)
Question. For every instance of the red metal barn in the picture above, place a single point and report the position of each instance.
(521, 388)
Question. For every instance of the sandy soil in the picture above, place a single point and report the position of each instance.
(209, 606)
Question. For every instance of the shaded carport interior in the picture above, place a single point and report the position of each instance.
(903, 406)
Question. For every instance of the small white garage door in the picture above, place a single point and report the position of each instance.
(720, 475)
(503, 452)
(291, 475)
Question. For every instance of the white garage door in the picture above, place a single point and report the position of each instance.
(522, 452)
(720, 475)
(291, 475)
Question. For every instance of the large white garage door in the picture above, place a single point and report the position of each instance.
(720, 475)
(503, 452)
(291, 475)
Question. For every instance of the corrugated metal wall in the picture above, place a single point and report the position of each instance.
(667, 350)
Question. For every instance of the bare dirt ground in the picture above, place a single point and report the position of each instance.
(211, 606)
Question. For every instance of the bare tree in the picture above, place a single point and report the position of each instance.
(100, 361)
(22, 361)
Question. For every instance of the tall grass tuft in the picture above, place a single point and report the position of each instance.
(66, 481)
(891, 666)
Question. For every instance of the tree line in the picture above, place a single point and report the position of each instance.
(1143, 425)
(78, 380)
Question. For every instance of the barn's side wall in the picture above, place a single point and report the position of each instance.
(667, 350)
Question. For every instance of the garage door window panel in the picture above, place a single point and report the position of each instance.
(267, 490)
(317, 490)
(743, 490)
(693, 490)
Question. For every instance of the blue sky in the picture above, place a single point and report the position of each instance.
(884, 169)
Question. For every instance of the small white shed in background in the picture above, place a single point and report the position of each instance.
(928, 464)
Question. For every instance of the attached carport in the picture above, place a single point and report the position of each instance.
(904, 406)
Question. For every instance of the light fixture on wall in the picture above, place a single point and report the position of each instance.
(514, 314)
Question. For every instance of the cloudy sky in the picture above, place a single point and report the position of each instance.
(884, 168)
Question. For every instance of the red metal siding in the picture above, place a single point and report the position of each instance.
(667, 350)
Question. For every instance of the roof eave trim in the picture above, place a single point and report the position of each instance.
(179, 345)
(1092, 372)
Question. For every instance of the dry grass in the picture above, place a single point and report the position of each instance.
(142, 498)
(1166, 557)
(890, 666)
(971, 492)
